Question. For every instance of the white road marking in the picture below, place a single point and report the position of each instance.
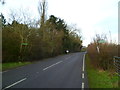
(82, 75)
(37, 72)
(52, 65)
(82, 85)
(4, 71)
(15, 83)
(68, 57)
(83, 62)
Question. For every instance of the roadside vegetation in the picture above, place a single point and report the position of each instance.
(26, 40)
(98, 78)
(11, 65)
(100, 64)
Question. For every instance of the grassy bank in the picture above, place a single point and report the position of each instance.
(99, 78)
(10, 65)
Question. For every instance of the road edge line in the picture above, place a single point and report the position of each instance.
(83, 63)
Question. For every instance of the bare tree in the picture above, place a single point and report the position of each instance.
(21, 19)
(42, 8)
(20, 15)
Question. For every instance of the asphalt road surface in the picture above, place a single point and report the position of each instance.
(64, 71)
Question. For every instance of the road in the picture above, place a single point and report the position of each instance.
(64, 71)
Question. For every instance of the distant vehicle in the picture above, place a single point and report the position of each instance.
(67, 51)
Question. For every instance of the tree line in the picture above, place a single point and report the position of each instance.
(51, 37)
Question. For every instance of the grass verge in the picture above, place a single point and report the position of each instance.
(11, 65)
(99, 78)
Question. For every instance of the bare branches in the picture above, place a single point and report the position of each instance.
(21, 16)
(42, 9)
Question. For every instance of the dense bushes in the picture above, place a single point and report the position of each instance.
(10, 44)
(104, 58)
(51, 39)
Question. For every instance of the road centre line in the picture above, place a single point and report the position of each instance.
(4, 71)
(15, 83)
(52, 65)
(68, 57)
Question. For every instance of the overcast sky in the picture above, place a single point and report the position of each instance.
(91, 16)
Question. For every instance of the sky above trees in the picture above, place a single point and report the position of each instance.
(91, 16)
